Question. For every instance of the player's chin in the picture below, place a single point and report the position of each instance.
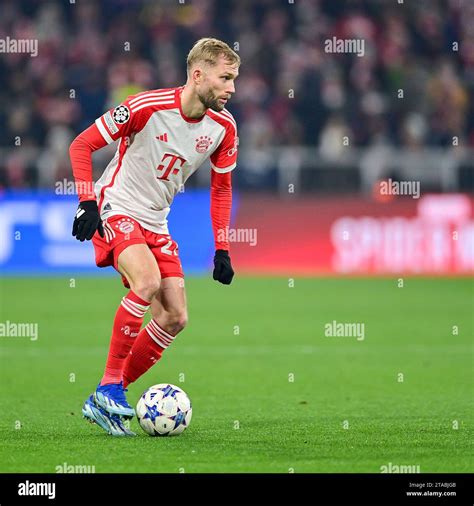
(218, 105)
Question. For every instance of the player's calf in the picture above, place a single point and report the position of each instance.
(173, 323)
(127, 323)
(169, 318)
(146, 351)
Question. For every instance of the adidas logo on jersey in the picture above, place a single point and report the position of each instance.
(162, 137)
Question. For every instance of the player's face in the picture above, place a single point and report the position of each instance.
(217, 85)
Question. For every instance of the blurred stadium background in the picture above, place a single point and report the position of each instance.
(318, 131)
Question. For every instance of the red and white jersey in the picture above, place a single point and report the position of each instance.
(159, 149)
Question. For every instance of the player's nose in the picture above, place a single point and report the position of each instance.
(230, 88)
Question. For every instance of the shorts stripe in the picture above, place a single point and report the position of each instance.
(108, 231)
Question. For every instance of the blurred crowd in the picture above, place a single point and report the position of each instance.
(412, 87)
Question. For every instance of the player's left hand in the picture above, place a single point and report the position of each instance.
(223, 271)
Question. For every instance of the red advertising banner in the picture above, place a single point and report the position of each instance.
(350, 235)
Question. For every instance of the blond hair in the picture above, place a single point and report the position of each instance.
(208, 50)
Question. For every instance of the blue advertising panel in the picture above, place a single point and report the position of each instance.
(35, 234)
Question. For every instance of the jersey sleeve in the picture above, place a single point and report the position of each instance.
(122, 121)
(224, 158)
(221, 206)
(80, 152)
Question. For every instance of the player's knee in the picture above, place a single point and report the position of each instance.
(177, 321)
(147, 288)
(182, 321)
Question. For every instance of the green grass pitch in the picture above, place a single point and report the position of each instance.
(270, 392)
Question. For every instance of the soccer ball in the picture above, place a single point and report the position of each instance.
(164, 410)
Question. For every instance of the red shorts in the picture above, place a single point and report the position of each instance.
(121, 231)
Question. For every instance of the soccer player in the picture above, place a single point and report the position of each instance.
(165, 135)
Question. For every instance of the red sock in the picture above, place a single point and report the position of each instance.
(127, 323)
(146, 351)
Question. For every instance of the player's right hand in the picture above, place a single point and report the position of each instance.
(87, 221)
(223, 271)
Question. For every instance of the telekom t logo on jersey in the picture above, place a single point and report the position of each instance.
(172, 168)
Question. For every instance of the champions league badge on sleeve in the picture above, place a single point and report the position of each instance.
(121, 114)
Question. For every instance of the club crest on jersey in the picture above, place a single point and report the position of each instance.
(121, 114)
(203, 143)
(125, 225)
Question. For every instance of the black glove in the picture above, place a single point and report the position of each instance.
(223, 271)
(87, 221)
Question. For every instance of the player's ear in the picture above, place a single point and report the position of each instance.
(198, 75)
